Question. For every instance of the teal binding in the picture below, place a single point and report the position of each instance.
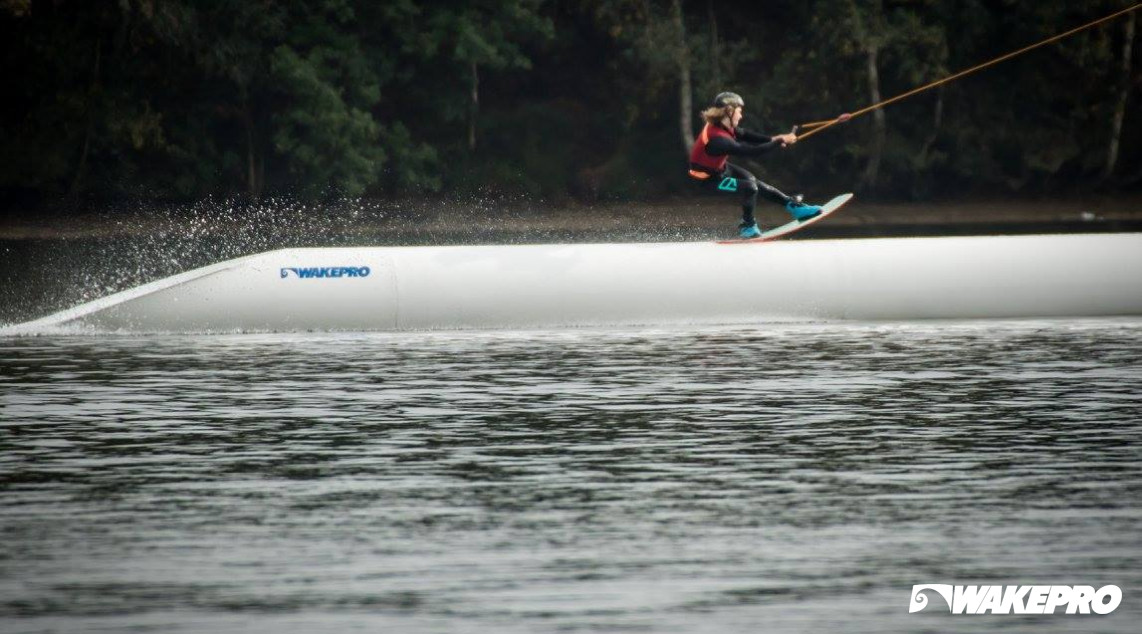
(801, 211)
(751, 231)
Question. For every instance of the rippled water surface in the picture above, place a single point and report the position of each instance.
(790, 478)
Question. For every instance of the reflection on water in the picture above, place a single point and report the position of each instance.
(713, 480)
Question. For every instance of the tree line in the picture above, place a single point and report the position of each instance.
(179, 100)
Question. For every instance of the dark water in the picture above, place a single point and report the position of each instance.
(785, 478)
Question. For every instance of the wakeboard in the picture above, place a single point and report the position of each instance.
(795, 225)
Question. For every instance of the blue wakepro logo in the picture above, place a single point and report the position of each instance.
(325, 272)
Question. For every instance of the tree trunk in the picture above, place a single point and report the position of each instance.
(254, 166)
(251, 168)
(82, 166)
(85, 149)
(473, 108)
(937, 121)
(253, 184)
(715, 53)
(1120, 107)
(685, 99)
(879, 125)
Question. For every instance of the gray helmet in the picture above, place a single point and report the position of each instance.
(728, 99)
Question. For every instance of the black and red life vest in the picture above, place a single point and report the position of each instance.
(702, 164)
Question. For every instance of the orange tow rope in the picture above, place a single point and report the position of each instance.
(816, 126)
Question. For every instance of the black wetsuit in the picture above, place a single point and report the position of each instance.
(735, 180)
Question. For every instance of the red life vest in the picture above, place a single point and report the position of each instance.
(703, 165)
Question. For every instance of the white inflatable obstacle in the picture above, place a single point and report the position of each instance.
(403, 288)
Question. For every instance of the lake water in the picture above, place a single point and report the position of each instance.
(731, 479)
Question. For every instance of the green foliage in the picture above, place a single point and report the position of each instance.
(328, 140)
(181, 99)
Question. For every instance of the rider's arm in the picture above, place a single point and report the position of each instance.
(725, 146)
(752, 137)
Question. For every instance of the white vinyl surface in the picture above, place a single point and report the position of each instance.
(550, 286)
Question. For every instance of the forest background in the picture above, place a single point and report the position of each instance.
(118, 101)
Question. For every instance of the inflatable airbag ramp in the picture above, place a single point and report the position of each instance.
(572, 285)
